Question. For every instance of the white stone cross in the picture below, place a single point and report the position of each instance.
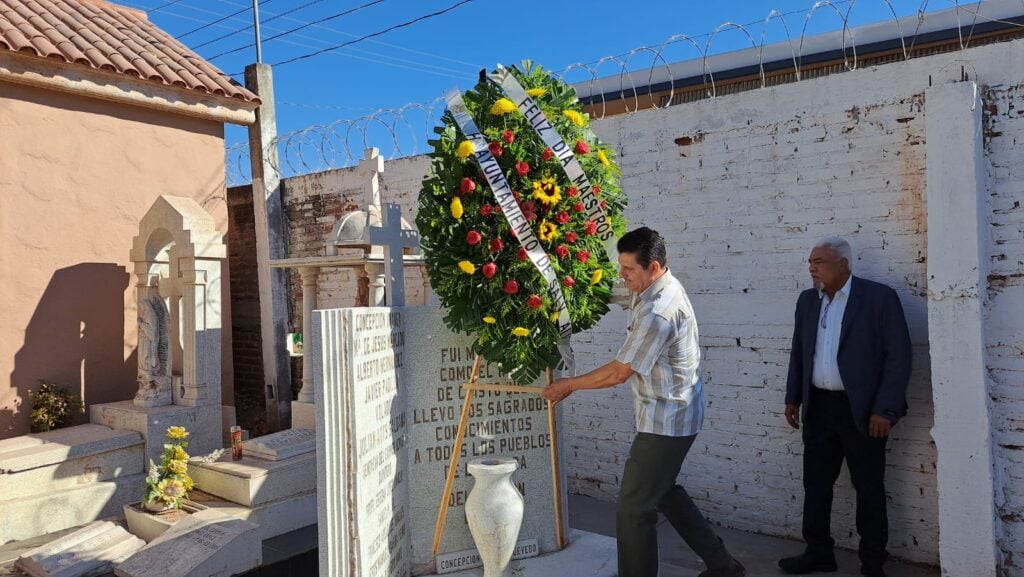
(394, 239)
(371, 167)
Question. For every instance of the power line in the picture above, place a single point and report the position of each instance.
(378, 33)
(218, 21)
(162, 6)
(474, 67)
(307, 25)
(250, 27)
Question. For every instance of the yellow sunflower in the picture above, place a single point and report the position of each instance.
(546, 191)
(502, 107)
(465, 150)
(520, 332)
(548, 231)
(177, 432)
(170, 490)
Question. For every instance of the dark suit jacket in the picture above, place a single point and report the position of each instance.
(874, 352)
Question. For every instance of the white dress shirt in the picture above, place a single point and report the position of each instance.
(826, 350)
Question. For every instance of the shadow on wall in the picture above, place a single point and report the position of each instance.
(75, 339)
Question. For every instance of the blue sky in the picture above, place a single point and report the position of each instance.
(419, 62)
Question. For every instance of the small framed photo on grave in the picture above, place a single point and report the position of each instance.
(295, 344)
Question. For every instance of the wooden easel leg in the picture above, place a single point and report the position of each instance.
(556, 474)
(453, 465)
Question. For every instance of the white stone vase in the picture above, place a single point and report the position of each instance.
(494, 511)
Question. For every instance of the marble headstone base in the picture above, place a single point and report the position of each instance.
(586, 554)
(303, 415)
(203, 424)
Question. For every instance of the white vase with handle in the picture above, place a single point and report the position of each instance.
(494, 511)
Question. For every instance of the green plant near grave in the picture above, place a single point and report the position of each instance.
(53, 407)
(168, 483)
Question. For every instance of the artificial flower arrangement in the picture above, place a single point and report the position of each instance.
(485, 279)
(168, 484)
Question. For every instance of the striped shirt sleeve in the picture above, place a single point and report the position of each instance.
(645, 343)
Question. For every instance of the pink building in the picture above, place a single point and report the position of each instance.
(100, 113)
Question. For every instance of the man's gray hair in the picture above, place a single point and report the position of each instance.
(839, 245)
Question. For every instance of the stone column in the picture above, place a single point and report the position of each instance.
(309, 277)
(957, 227)
(375, 271)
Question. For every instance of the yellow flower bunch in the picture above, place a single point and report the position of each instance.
(465, 150)
(177, 432)
(502, 107)
(575, 117)
(536, 92)
(520, 332)
(546, 191)
(467, 267)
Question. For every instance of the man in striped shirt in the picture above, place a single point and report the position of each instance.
(661, 358)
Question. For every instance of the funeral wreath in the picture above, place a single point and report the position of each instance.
(509, 254)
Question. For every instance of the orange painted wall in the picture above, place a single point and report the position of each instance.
(76, 176)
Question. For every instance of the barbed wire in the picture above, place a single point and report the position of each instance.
(661, 77)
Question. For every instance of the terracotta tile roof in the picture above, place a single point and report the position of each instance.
(102, 35)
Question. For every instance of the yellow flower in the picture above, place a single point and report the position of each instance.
(548, 231)
(188, 483)
(180, 454)
(177, 432)
(502, 107)
(467, 267)
(465, 150)
(170, 490)
(601, 156)
(546, 191)
(536, 92)
(520, 332)
(178, 467)
(456, 208)
(575, 117)
(554, 317)
(596, 277)
(490, 320)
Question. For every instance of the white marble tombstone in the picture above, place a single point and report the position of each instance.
(177, 260)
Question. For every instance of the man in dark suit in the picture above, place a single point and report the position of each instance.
(848, 372)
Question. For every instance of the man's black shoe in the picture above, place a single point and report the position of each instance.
(805, 563)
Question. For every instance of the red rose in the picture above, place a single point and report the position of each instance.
(572, 191)
(473, 238)
(568, 282)
(578, 207)
(530, 216)
(582, 148)
(522, 168)
(562, 251)
(515, 194)
(604, 205)
(497, 245)
(590, 227)
(534, 302)
(495, 148)
(511, 287)
(548, 154)
(467, 186)
(597, 189)
(562, 217)
(583, 256)
(570, 237)
(489, 270)
(486, 210)
(529, 206)
(521, 254)
(508, 136)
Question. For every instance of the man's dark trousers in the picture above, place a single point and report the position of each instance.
(830, 434)
(649, 486)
